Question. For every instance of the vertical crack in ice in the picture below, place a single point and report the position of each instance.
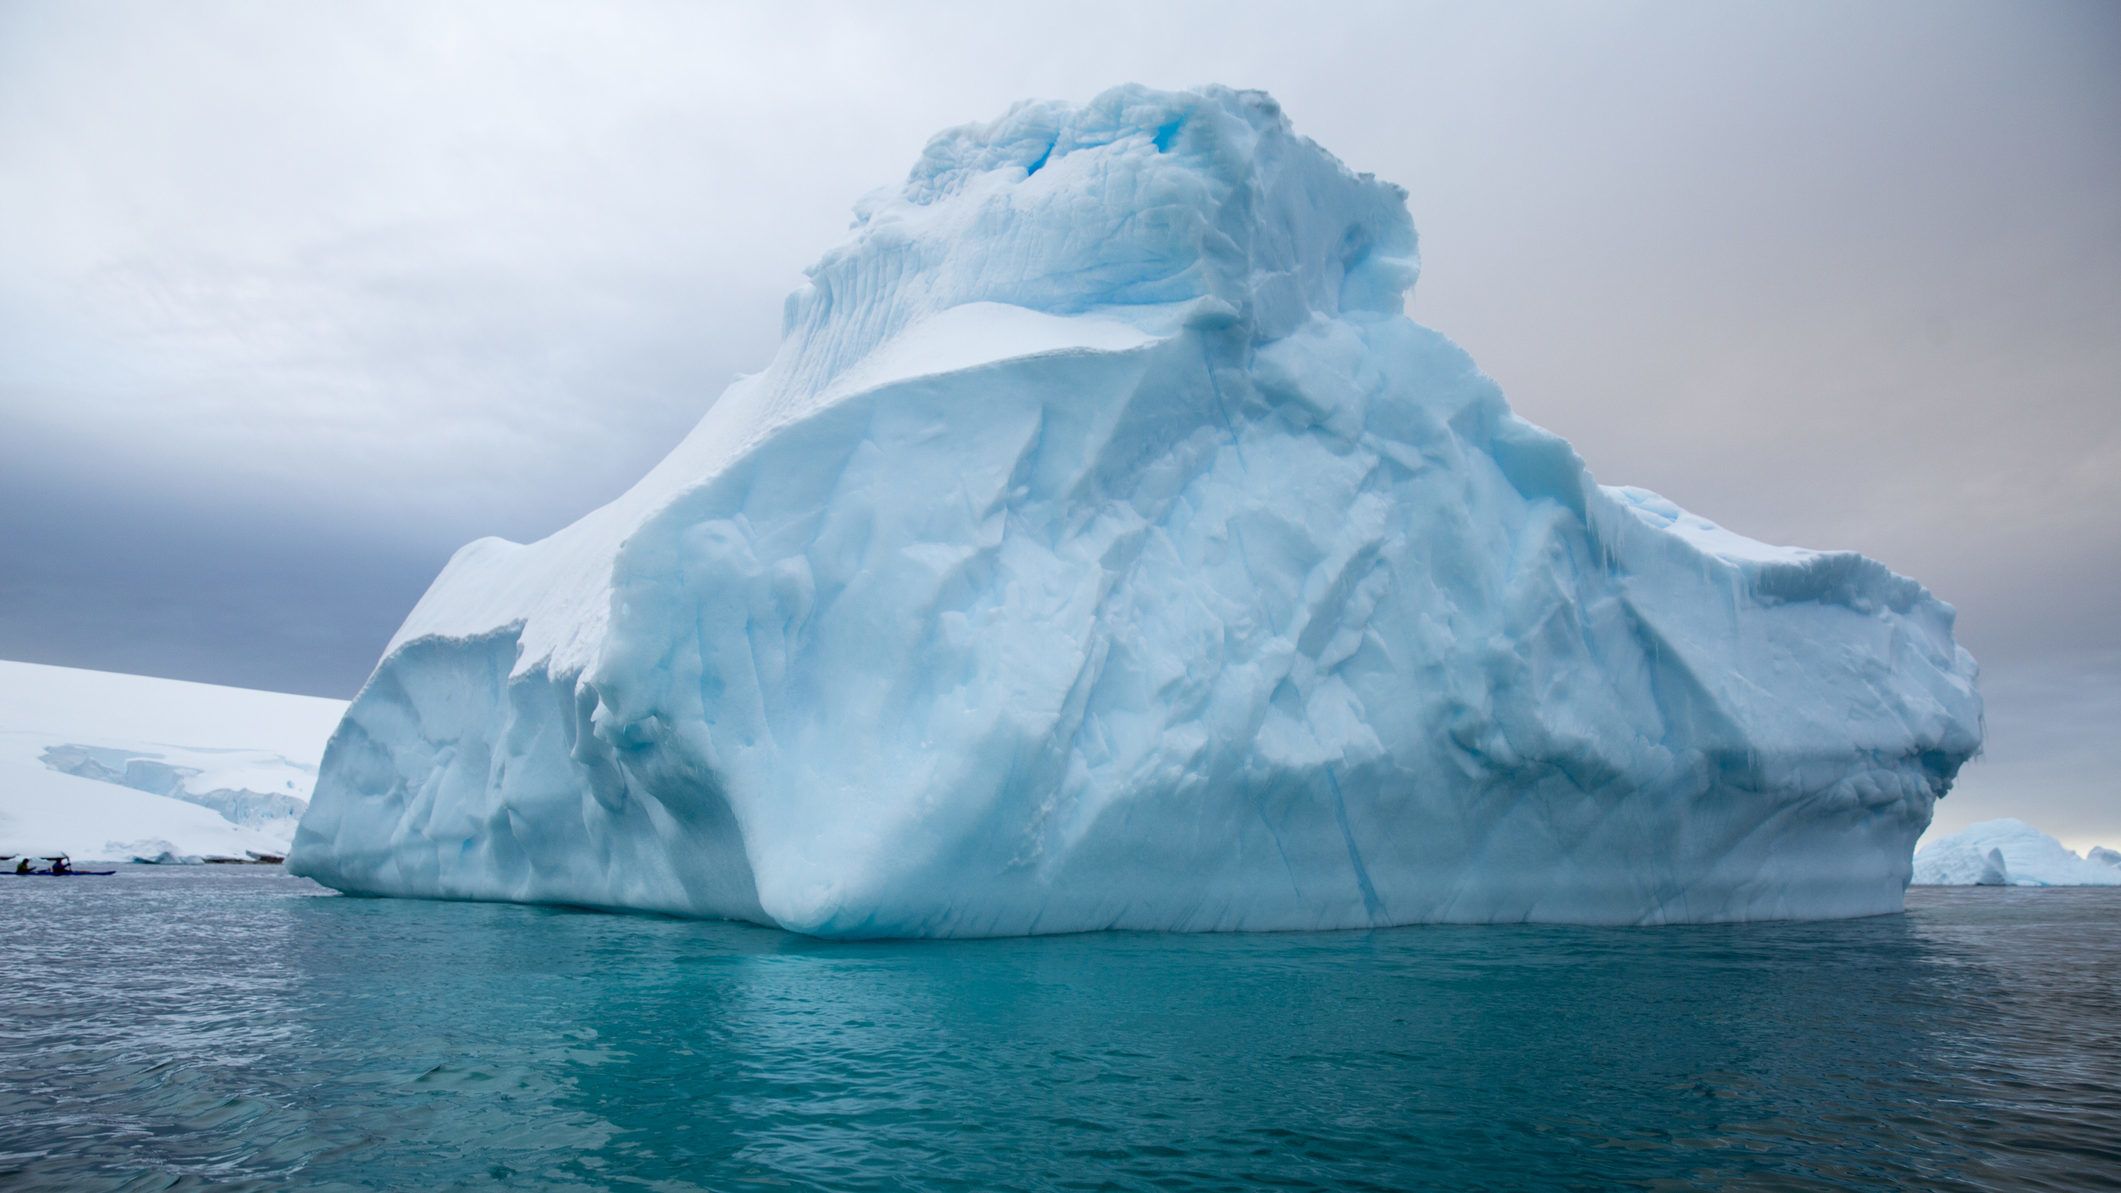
(1370, 904)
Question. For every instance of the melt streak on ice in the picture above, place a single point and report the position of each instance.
(1103, 548)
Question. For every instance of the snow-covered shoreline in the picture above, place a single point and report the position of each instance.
(112, 767)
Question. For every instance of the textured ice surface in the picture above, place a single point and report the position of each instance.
(2029, 858)
(1995, 870)
(111, 766)
(1104, 548)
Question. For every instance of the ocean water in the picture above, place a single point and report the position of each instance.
(236, 1027)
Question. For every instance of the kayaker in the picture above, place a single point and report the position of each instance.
(22, 867)
(59, 866)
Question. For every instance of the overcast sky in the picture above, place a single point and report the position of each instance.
(294, 299)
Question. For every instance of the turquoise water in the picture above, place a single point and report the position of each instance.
(237, 1027)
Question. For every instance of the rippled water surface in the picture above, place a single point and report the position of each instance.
(230, 1027)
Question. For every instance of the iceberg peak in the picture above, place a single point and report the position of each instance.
(1155, 206)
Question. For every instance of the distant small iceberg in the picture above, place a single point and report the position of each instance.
(162, 853)
(2011, 852)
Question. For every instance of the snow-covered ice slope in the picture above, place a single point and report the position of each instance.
(1104, 548)
(103, 765)
(2031, 858)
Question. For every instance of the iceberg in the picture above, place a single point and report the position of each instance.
(2009, 852)
(1104, 548)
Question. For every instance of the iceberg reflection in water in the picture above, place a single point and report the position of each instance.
(233, 1027)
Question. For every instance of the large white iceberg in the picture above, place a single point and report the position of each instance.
(1103, 548)
(2027, 856)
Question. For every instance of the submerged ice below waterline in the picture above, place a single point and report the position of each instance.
(288, 1039)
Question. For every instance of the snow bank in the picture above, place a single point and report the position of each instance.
(109, 766)
(45, 813)
(2029, 856)
(1104, 548)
